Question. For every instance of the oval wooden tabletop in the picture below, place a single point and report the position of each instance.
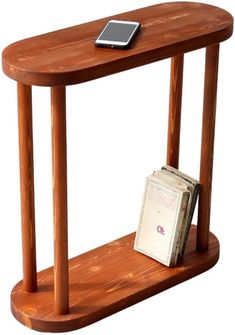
(69, 56)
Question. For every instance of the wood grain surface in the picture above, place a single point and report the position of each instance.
(25, 125)
(59, 173)
(207, 145)
(174, 118)
(106, 280)
(69, 56)
(114, 276)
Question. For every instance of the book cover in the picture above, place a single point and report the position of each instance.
(163, 212)
(194, 187)
(176, 181)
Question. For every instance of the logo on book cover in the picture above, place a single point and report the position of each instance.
(160, 230)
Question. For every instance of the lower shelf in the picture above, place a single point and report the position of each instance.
(106, 280)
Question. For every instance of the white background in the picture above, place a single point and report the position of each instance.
(112, 147)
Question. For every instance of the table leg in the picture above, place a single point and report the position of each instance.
(27, 186)
(176, 83)
(207, 145)
(59, 161)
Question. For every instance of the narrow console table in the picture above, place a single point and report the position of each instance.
(82, 290)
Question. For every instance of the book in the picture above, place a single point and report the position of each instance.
(194, 187)
(174, 180)
(163, 214)
(169, 201)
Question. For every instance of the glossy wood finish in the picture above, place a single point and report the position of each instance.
(207, 145)
(75, 293)
(69, 56)
(174, 119)
(106, 280)
(27, 186)
(59, 161)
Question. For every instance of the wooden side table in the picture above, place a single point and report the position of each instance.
(82, 290)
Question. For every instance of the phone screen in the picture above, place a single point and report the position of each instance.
(118, 32)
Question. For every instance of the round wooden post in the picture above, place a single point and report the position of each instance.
(207, 145)
(59, 161)
(27, 186)
(176, 84)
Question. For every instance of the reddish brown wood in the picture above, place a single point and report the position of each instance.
(58, 104)
(207, 145)
(69, 56)
(27, 186)
(114, 276)
(174, 119)
(104, 281)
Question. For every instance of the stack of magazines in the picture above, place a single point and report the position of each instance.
(169, 202)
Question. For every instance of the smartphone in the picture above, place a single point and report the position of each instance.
(118, 34)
